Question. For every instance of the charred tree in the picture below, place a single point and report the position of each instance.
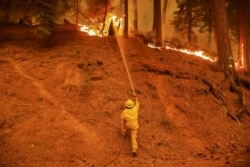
(242, 14)
(224, 52)
(126, 18)
(111, 31)
(189, 20)
(135, 16)
(157, 22)
(244, 34)
(77, 9)
(105, 15)
(247, 45)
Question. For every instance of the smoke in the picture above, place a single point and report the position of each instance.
(145, 15)
(145, 18)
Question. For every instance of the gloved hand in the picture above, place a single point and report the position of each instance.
(135, 98)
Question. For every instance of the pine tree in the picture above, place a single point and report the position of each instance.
(187, 18)
(224, 50)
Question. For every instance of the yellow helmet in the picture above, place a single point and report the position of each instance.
(129, 103)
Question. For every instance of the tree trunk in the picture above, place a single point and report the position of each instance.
(126, 18)
(242, 14)
(224, 52)
(158, 22)
(77, 9)
(154, 16)
(135, 16)
(247, 45)
(209, 24)
(105, 15)
(189, 20)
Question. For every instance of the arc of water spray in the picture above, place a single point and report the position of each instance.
(129, 77)
(125, 63)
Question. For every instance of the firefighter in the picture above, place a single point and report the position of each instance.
(129, 121)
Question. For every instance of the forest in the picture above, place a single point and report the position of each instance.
(64, 84)
(226, 19)
(190, 18)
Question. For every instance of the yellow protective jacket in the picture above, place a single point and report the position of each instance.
(129, 117)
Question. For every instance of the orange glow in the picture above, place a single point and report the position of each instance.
(95, 31)
(89, 31)
(240, 63)
(195, 53)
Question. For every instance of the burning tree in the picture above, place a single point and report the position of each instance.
(102, 16)
(126, 18)
(97, 11)
(208, 16)
(224, 51)
(244, 33)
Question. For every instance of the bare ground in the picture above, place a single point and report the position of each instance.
(61, 100)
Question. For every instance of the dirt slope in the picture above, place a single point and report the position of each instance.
(61, 100)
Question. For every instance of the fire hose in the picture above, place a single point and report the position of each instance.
(132, 87)
(117, 153)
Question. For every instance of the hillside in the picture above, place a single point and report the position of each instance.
(61, 100)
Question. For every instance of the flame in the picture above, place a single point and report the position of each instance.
(89, 31)
(195, 53)
(96, 31)
(240, 63)
(199, 53)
